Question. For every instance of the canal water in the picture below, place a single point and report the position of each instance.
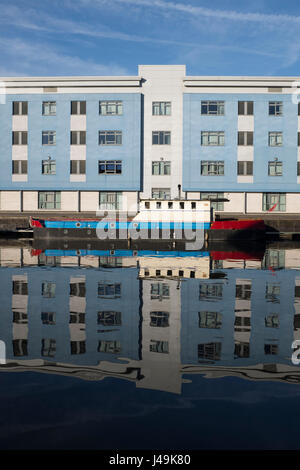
(148, 350)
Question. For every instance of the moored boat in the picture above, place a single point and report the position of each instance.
(167, 219)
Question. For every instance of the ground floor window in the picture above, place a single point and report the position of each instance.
(49, 200)
(274, 201)
(216, 203)
(161, 193)
(110, 200)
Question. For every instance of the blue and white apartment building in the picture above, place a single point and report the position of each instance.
(80, 144)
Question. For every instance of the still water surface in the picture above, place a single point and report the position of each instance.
(149, 351)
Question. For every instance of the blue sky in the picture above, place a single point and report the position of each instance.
(111, 37)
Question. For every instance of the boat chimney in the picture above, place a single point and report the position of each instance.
(179, 191)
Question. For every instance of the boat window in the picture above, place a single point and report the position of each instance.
(170, 205)
(147, 205)
(169, 272)
(193, 204)
(158, 205)
(180, 273)
(181, 204)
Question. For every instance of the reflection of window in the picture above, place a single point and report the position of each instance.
(209, 351)
(109, 318)
(160, 319)
(297, 291)
(274, 259)
(20, 287)
(242, 324)
(77, 289)
(271, 349)
(210, 291)
(243, 291)
(272, 321)
(160, 291)
(110, 261)
(241, 350)
(159, 346)
(48, 347)
(111, 347)
(20, 318)
(77, 347)
(77, 317)
(48, 289)
(210, 320)
(48, 318)
(20, 347)
(272, 292)
(109, 290)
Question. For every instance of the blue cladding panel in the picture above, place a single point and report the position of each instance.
(193, 152)
(129, 152)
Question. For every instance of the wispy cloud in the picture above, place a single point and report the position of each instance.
(33, 62)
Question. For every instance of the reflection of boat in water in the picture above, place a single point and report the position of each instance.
(163, 220)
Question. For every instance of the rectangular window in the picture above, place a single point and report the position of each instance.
(245, 138)
(275, 168)
(20, 288)
(161, 168)
(48, 347)
(20, 347)
(209, 351)
(110, 347)
(211, 320)
(49, 108)
(245, 168)
(48, 289)
(20, 108)
(48, 318)
(110, 137)
(275, 139)
(19, 167)
(77, 289)
(77, 167)
(161, 108)
(210, 291)
(19, 138)
(161, 193)
(271, 349)
(212, 168)
(216, 203)
(161, 138)
(20, 318)
(275, 108)
(110, 200)
(77, 347)
(159, 346)
(108, 290)
(272, 321)
(245, 108)
(241, 349)
(49, 199)
(159, 319)
(110, 167)
(78, 138)
(49, 167)
(78, 107)
(77, 317)
(298, 168)
(212, 138)
(298, 139)
(49, 137)
(274, 201)
(110, 108)
(213, 108)
(160, 291)
(243, 291)
(109, 318)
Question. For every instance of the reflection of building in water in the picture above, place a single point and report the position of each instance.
(97, 317)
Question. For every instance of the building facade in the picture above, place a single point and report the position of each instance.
(80, 144)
